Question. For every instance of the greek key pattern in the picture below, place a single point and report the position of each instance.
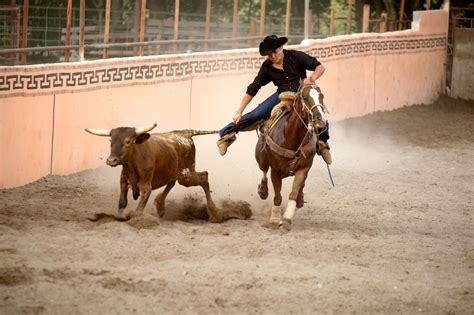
(378, 47)
(57, 79)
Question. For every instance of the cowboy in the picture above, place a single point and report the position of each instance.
(285, 68)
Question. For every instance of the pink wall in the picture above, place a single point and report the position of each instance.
(26, 138)
(102, 109)
(50, 105)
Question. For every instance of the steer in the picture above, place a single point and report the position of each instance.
(151, 161)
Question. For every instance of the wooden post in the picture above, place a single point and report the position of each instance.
(136, 25)
(310, 22)
(105, 53)
(365, 18)
(176, 24)
(288, 17)
(262, 17)
(234, 24)
(306, 14)
(151, 7)
(24, 40)
(68, 30)
(82, 22)
(208, 24)
(349, 17)
(252, 31)
(400, 19)
(331, 22)
(383, 22)
(15, 37)
(141, 50)
(17, 34)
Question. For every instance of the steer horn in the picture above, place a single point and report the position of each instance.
(139, 131)
(99, 132)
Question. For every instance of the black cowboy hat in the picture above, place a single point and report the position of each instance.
(270, 43)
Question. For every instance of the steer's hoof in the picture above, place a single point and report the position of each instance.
(160, 210)
(95, 217)
(285, 225)
(122, 217)
(136, 193)
(134, 214)
(263, 189)
(300, 200)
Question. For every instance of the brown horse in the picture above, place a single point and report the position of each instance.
(288, 148)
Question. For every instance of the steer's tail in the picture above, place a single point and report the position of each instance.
(192, 133)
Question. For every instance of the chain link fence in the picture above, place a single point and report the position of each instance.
(46, 38)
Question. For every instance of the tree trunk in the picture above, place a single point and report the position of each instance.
(116, 12)
(359, 9)
(379, 7)
(392, 14)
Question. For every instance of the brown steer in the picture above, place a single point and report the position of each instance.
(153, 161)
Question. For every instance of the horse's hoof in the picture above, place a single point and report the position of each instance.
(271, 225)
(285, 225)
(263, 189)
(274, 221)
(300, 200)
(136, 194)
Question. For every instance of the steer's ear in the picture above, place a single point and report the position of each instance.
(142, 138)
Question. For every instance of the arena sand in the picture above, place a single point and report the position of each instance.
(395, 235)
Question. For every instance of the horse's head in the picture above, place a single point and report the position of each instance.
(309, 97)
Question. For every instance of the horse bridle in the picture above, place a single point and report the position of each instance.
(308, 109)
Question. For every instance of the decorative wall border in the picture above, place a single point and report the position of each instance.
(378, 47)
(71, 78)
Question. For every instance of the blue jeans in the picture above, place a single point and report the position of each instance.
(262, 111)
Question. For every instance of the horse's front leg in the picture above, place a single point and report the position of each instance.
(275, 216)
(262, 160)
(263, 186)
(298, 184)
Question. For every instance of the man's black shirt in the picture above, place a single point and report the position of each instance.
(295, 64)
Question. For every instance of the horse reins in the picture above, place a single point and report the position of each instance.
(294, 155)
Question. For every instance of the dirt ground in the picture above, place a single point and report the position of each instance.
(395, 235)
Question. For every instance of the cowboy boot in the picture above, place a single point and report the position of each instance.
(224, 142)
(323, 150)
